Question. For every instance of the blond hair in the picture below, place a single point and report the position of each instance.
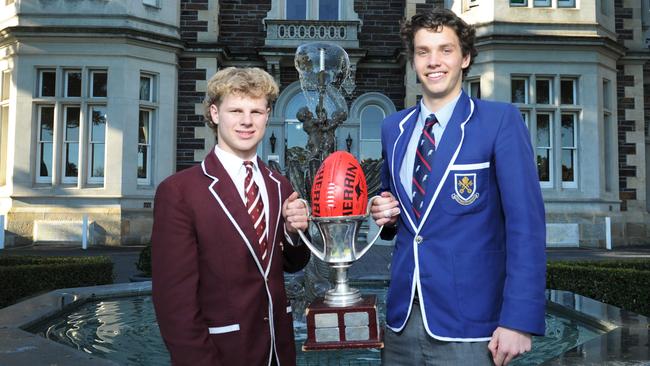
(244, 81)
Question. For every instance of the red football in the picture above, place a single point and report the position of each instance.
(339, 187)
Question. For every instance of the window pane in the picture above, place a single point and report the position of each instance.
(328, 10)
(98, 124)
(72, 124)
(46, 159)
(567, 165)
(475, 89)
(566, 3)
(606, 98)
(99, 84)
(142, 161)
(567, 91)
(48, 83)
(6, 82)
(97, 160)
(71, 159)
(519, 91)
(47, 123)
(543, 91)
(143, 128)
(518, 2)
(543, 168)
(542, 2)
(296, 9)
(568, 131)
(543, 131)
(371, 119)
(295, 135)
(145, 88)
(73, 88)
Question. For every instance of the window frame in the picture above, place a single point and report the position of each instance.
(566, 3)
(42, 71)
(574, 90)
(40, 142)
(148, 145)
(91, 179)
(65, 179)
(574, 150)
(526, 80)
(91, 83)
(67, 72)
(550, 148)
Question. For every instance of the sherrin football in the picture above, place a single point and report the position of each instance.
(339, 188)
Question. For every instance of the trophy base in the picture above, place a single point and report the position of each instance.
(354, 326)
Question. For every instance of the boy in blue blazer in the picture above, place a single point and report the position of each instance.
(461, 193)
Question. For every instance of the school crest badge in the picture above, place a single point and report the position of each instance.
(465, 188)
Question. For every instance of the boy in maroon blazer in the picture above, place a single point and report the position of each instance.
(223, 233)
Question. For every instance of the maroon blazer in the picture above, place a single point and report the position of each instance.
(214, 302)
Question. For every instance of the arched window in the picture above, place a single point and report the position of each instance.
(295, 135)
(366, 116)
(370, 119)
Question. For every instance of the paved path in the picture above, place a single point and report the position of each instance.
(374, 265)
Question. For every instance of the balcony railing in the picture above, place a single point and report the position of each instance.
(292, 33)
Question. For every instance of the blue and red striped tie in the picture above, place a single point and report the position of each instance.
(423, 163)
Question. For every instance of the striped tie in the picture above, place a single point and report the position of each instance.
(255, 208)
(423, 163)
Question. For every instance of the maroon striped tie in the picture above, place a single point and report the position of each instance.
(255, 208)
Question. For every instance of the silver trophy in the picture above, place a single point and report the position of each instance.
(340, 249)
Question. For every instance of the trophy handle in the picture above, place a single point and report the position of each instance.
(312, 247)
(370, 243)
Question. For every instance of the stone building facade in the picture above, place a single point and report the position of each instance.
(578, 71)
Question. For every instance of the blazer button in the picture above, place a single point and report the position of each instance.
(266, 318)
(418, 239)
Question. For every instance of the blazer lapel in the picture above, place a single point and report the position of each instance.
(225, 193)
(406, 127)
(447, 150)
(275, 207)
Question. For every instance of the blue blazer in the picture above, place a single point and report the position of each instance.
(477, 256)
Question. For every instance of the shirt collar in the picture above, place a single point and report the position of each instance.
(443, 115)
(231, 162)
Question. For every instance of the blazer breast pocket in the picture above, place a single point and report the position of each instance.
(466, 188)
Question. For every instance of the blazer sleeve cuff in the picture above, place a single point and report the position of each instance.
(523, 315)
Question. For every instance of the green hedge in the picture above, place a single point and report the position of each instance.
(23, 276)
(622, 283)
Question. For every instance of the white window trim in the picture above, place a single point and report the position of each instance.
(64, 178)
(574, 149)
(65, 83)
(526, 80)
(550, 148)
(312, 9)
(149, 144)
(91, 83)
(89, 142)
(548, 80)
(40, 83)
(566, 3)
(574, 81)
(152, 88)
(362, 139)
(39, 143)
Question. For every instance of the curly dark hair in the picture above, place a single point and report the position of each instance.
(435, 19)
